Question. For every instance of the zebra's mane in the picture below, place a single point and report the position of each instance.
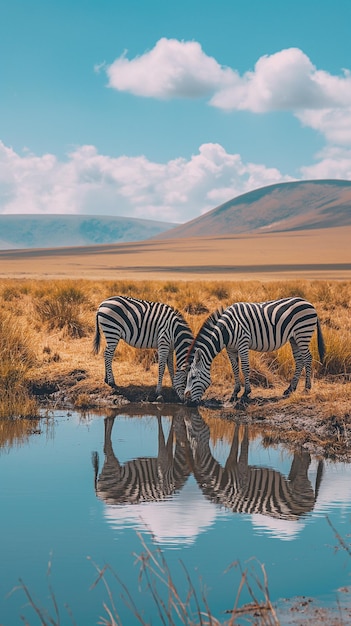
(208, 324)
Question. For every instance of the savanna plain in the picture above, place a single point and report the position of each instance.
(48, 303)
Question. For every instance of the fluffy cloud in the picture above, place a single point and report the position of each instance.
(334, 124)
(92, 183)
(286, 80)
(171, 69)
(333, 162)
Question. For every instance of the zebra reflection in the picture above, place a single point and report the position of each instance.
(144, 479)
(245, 488)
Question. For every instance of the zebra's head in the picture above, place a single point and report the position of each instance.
(198, 378)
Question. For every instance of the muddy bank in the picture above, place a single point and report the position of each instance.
(320, 426)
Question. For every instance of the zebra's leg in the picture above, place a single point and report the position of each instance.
(234, 361)
(299, 363)
(245, 366)
(170, 365)
(232, 458)
(307, 359)
(108, 354)
(243, 460)
(163, 356)
(108, 449)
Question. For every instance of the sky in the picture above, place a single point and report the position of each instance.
(161, 109)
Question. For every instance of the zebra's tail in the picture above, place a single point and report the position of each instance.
(96, 342)
(320, 471)
(95, 462)
(320, 341)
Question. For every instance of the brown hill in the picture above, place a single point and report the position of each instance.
(276, 208)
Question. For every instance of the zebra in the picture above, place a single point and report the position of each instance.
(144, 324)
(244, 488)
(260, 326)
(144, 479)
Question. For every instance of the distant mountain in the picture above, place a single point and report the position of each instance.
(54, 231)
(281, 207)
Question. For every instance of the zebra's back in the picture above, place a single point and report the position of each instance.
(138, 322)
(269, 325)
(265, 491)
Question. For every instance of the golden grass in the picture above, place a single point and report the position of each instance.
(47, 328)
(17, 358)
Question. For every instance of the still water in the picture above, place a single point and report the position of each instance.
(202, 494)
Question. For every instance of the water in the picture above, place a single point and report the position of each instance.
(67, 508)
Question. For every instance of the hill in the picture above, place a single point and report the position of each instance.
(44, 231)
(299, 205)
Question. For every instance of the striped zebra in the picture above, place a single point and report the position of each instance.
(145, 479)
(244, 488)
(144, 324)
(260, 326)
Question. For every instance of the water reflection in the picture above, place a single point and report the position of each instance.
(156, 493)
(15, 432)
(143, 479)
(153, 492)
(244, 488)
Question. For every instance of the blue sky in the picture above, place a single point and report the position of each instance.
(164, 110)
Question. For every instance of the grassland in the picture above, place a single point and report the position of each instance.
(46, 332)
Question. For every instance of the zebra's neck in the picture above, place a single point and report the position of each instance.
(183, 338)
(211, 342)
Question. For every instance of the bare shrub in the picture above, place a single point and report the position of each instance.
(171, 287)
(64, 308)
(196, 308)
(220, 291)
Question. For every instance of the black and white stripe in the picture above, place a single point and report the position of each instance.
(260, 326)
(144, 479)
(144, 324)
(244, 488)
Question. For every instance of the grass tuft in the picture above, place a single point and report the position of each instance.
(17, 358)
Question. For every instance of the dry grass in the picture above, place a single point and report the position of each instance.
(186, 601)
(172, 603)
(17, 359)
(47, 328)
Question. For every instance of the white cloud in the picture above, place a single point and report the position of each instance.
(334, 162)
(286, 80)
(92, 183)
(176, 521)
(171, 69)
(283, 80)
(334, 124)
